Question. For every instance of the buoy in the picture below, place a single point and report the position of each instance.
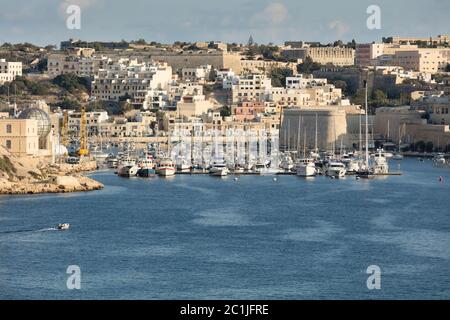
(441, 179)
(275, 179)
(236, 179)
(357, 178)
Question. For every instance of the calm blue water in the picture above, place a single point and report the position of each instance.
(201, 237)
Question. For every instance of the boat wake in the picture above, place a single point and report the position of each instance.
(28, 231)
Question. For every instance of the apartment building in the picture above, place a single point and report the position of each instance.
(302, 81)
(420, 60)
(83, 66)
(248, 110)
(135, 82)
(408, 56)
(9, 70)
(251, 87)
(197, 74)
(92, 120)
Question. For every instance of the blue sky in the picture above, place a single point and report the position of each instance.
(44, 21)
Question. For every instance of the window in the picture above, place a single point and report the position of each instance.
(8, 144)
(8, 128)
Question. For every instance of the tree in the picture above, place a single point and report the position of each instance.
(447, 69)
(225, 111)
(379, 99)
(279, 75)
(429, 146)
(341, 84)
(308, 66)
(72, 83)
(70, 104)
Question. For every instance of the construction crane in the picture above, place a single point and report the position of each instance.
(84, 151)
(65, 129)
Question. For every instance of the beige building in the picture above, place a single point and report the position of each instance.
(439, 135)
(440, 114)
(9, 70)
(218, 59)
(389, 122)
(265, 66)
(80, 65)
(421, 60)
(337, 56)
(190, 106)
(20, 136)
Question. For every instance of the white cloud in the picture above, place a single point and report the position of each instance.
(341, 28)
(273, 14)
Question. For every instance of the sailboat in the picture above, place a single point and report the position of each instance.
(365, 171)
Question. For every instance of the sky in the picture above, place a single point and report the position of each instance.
(43, 22)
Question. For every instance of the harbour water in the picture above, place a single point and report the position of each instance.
(203, 237)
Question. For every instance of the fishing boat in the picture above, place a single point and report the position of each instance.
(128, 171)
(146, 166)
(166, 167)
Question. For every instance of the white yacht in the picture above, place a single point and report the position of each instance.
(352, 165)
(336, 169)
(219, 169)
(286, 162)
(306, 168)
(183, 165)
(439, 160)
(380, 163)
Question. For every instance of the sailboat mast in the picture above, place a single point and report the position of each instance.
(367, 128)
(315, 141)
(298, 135)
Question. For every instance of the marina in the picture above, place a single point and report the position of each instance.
(255, 237)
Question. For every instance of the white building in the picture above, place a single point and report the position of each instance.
(134, 81)
(9, 70)
(252, 87)
(198, 74)
(302, 81)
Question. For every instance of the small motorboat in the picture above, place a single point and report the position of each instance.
(63, 226)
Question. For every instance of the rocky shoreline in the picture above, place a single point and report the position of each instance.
(60, 184)
(33, 176)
